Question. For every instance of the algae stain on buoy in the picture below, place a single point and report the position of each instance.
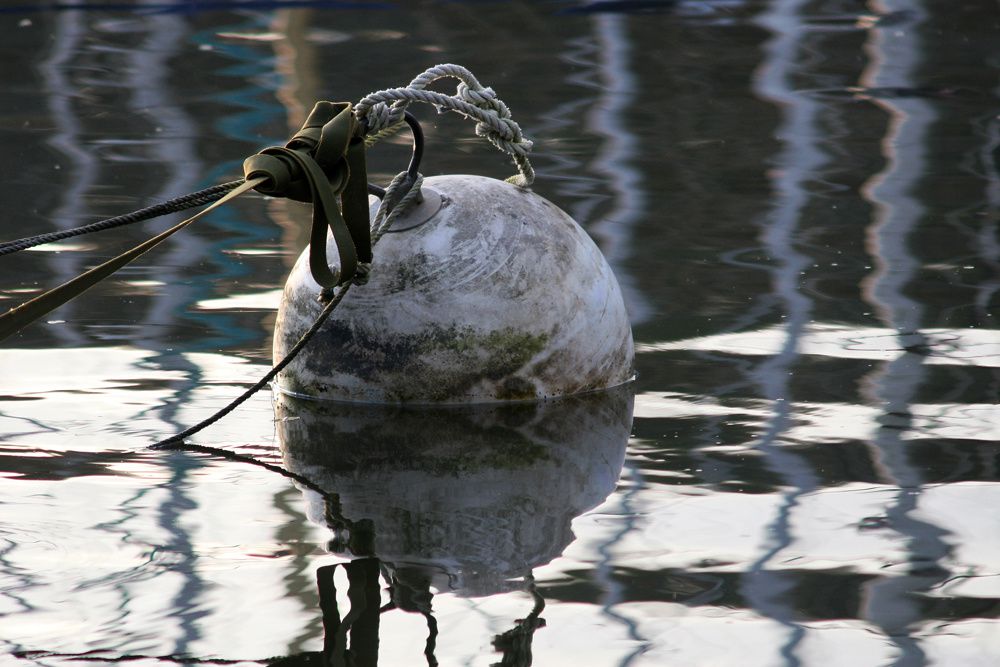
(497, 296)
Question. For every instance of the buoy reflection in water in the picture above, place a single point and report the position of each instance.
(460, 500)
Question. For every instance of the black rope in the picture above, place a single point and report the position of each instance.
(175, 442)
(100, 655)
(330, 298)
(199, 198)
(417, 154)
(413, 170)
(230, 455)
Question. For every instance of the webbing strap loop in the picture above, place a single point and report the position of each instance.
(323, 161)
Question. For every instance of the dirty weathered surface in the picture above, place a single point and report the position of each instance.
(499, 297)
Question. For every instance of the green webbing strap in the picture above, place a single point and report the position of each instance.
(324, 160)
(17, 318)
(354, 200)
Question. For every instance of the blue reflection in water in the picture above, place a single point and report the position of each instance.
(251, 111)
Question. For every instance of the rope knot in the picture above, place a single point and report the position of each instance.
(485, 98)
(323, 140)
(324, 161)
(382, 111)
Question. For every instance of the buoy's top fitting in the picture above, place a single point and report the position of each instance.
(430, 203)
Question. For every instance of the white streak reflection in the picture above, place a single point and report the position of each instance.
(965, 347)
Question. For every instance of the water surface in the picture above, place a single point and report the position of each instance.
(800, 200)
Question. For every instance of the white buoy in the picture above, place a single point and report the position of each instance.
(486, 292)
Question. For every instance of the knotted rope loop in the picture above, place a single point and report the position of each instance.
(324, 161)
(382, 113)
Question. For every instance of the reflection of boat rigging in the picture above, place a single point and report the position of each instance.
(891, 602)
(765, 586)
(353, 639)
(81, 83)
(76, 65)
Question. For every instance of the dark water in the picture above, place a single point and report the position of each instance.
(800, 200)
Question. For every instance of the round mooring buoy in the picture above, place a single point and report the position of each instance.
(485, 292)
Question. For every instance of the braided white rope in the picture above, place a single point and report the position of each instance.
(383, 111)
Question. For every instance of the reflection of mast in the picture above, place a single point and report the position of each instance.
(988, 238)
(149, 90)
(895, 52)
(145, 80)
(609, 119)
(609, 76)
(82, 171)
(150, 96)
(768, 590)
(146, 85)
(988, 243)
